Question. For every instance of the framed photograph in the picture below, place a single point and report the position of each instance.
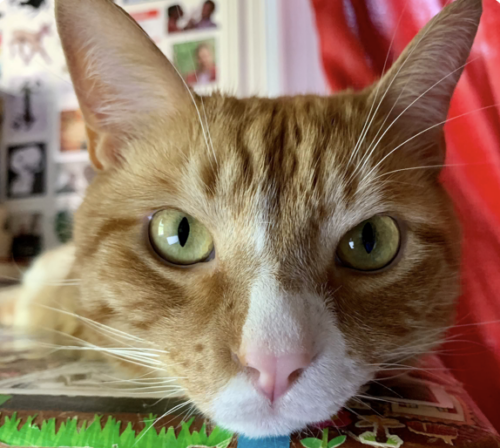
(73, 177)
(73, 137)
(27, 234)
(197, 61)
(26, 170)
(188, 15)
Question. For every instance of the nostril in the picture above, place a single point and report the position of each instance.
(254, 374)
(295, 375)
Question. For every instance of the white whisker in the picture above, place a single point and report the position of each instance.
(136, 356)
(389, 87)
(454, 165)
(371, 149)
(197, 111)
(100, 326)
(169, 412)
(422, 132)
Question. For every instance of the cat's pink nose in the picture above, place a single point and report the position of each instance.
(276, 374)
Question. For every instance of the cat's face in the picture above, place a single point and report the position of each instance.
(277, 203)
(310, 257)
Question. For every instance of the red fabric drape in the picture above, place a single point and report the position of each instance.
(355, 38)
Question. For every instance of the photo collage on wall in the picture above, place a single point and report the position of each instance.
(44, 163)
(188, 32)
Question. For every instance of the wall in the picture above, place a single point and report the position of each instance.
(301, 67)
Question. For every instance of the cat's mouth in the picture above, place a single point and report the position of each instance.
(317, 396)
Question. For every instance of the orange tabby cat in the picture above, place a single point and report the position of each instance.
(274, 254)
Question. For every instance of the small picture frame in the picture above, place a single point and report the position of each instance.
(197, 61)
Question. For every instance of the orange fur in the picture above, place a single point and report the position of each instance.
(284, 168)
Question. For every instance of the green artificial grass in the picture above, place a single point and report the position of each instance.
(96, 436)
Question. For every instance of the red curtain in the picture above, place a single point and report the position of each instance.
(355, 38)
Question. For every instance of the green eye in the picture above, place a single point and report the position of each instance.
(179, 238)
(371, 245)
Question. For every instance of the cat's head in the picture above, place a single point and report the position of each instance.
(283, 251)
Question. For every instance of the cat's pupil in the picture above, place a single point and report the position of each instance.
(368, 237)
(183, 231)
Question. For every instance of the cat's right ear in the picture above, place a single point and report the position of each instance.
(121, 78)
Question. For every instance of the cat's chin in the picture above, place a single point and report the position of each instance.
(240, 408)
(253, 416)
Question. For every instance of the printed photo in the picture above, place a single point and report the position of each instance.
(151, 22)
(26, 170)
(27, 107)
(73, 177)
(29, 46)
(191, 15)
(73, 135)
(27, 231)
(196, 61)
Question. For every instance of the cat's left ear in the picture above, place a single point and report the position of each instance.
(417, 90)
(121, 78)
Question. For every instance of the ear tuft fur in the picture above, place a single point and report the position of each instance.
(418, 88)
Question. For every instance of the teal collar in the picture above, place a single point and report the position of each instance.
(269, 442)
